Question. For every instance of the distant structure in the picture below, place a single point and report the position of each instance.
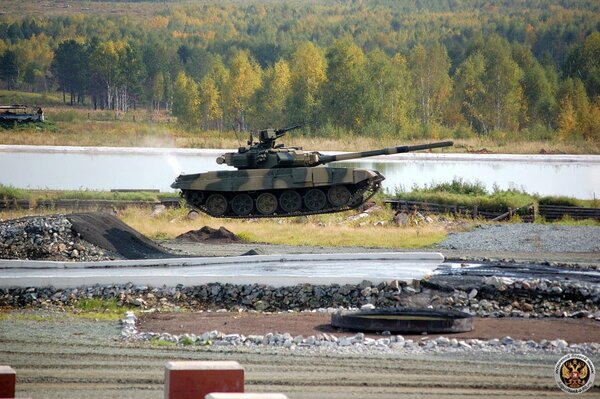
(19, 113)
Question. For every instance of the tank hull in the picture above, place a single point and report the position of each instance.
(278, 192)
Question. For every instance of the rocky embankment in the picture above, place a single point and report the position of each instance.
(493, 297)
(353, 344)
(46, 238)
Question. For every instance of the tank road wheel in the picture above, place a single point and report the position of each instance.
(315, 199)
(290, 201)
(194, 198)
(216, 205)
(242, 204)
(356, 201)
(338, 195)
(266, 203)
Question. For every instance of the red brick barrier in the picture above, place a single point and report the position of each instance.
(246, 396)
(196, 379)
(8, 381)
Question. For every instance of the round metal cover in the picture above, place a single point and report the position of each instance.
(404, 321)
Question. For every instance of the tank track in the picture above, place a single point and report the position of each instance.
(367, 192)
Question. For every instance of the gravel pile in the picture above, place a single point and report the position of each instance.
(494, 297)
(354, 344)
(46, 238)
(526, 237)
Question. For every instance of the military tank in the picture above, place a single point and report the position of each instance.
(272, 180)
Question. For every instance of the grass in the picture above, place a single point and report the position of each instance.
(99, 309)
(8, 193)
(89, 309)
(10, 97)
(161, 343)
(469, 195)
(77, 126)
(326, 230)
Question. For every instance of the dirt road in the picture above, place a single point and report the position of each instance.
(58, 356)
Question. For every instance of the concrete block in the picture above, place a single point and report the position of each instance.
(253, 395)
(8, 381)
(196, 379)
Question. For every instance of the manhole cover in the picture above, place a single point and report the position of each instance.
(404, 321)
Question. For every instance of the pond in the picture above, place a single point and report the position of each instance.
(104, 168)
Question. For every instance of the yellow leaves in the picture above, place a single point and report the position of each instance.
(308, 65)
(179, 35)
(567, 119)
(186, 101)
(157, 22)
(245, 79)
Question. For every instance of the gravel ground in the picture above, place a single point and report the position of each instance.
(59, 356)
(526, 237)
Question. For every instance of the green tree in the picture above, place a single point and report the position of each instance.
(272, 97)
(10, 69)
(470, 91)
(390, 87)
(583, 62)
(538, 90)
(244, 80)
(186, 102)
(307, 75)
(346, 99)
(431, 83)
(131, 76)
(104, 71)
(69, 68)
(210, 103)
(502, 78)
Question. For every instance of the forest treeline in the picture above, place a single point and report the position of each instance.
(375, 67)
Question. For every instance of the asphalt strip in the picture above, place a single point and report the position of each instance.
(275, 270)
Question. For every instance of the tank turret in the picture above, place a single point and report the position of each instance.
(265, 154)
(274, 181)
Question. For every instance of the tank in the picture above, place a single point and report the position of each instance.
(272, 180)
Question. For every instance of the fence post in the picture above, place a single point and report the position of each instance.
(8, 380)
(196, 379)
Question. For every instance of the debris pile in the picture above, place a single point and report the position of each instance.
(208, 233)
(46, 238)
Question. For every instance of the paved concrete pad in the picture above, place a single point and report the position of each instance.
(275, 270)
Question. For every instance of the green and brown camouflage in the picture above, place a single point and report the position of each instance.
(275, 181)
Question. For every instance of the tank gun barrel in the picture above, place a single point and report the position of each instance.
(323, 159)
(280, 132)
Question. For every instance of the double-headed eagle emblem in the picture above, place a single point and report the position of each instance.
(574, 373)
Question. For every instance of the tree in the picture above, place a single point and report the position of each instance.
(245, 79)
(583, 62)
(346, 101)
(470, 91)
(219, 76)
(131, 74)
(186, 103)
(390, 87)
(210, 103)
(69, 68)
(272, 97)
(9, 69)
(501, 77)
(104, 70)
(567, 119)
(307, 75)
(431, 83)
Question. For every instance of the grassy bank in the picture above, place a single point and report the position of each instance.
(8, 193)
(69, 126)
(326, 230)
(468, 195)
(318, 230)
